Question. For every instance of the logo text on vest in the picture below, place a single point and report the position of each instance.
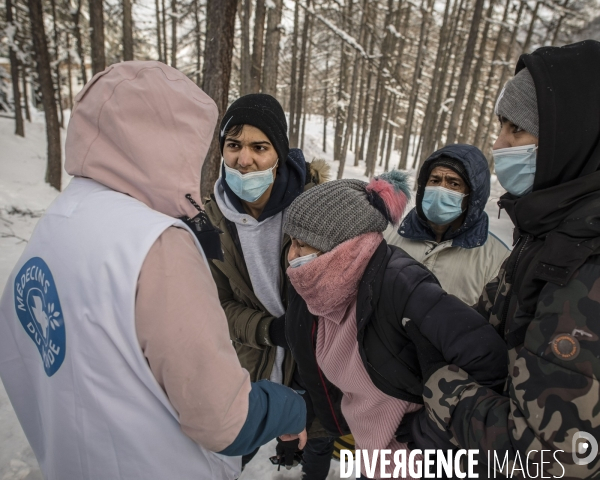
(39, 311)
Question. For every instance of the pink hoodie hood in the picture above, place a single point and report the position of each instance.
(143, 129)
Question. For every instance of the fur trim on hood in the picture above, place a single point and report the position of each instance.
(143, 129)
(320, 171)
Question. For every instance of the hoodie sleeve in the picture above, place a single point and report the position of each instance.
(183, 333)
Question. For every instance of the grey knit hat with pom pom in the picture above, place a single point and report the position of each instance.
(331, 213)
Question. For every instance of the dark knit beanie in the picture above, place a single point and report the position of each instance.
(453, 164)
(263, 112)
(333, 212)
(518, 103)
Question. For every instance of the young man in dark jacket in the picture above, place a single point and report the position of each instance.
(545, 302)
(260, 177)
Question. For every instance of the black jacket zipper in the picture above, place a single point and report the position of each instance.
(510, 293)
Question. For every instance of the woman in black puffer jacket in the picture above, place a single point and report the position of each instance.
(390, 286)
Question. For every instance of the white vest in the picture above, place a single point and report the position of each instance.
(69, 355)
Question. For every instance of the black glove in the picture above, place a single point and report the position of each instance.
(277, 332)
(429, 357)
(288, 454)
(404, 431)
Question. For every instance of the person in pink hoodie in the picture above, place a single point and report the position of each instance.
(114, 348)
(350, 292)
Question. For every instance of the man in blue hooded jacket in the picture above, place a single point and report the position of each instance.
(448, 230)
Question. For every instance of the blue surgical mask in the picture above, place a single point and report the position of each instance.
(298, 262)
(441, 205)
(515, 168)
(249, 186)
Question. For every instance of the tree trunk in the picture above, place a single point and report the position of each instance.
(437, 82)
(453, 50)
(474, 88)
(79, 42)
(269, 76)
(127, 31)
(477, 139)
(258, 44)
(25, 95)
(391, 128)
(69, 72)
(559, 23)
(362, 100)
(387, 48)
(161, 58)
(97, 36)
(57, 66)
(342, 96)
(305, 82)
(40, 47)
(216, 74)
(14, 73)
(198, 37)
(294, 74)
(325, 100)
(299, 102)
(356, 66)
(174, 22)
(506, 70)
(465, 72)
(415, 82)
(164, 31)
(384, 127)
(365, 114)
(531, 26)
(245, 57)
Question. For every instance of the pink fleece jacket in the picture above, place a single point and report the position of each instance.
(329, 285)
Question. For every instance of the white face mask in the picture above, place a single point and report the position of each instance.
(249, 186)
(298, 262)
(515, 168)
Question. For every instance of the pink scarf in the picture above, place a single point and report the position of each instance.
(329, 283)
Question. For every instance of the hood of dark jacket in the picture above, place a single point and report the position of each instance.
(288, 184)
(474, 230)
(562, 213)
(567, 83)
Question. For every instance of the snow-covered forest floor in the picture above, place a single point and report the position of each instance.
(24, 196)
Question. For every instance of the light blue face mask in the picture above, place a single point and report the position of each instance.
(298, 262)
(441, 205)
(515, 168)
(249, 186)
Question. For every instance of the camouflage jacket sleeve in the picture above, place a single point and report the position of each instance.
(552, 392)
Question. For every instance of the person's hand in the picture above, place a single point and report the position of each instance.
(430, 358)
(404, 431)
(277, 332)
(301, 437)
(289, 449)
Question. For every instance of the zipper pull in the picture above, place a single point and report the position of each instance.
(499, 208)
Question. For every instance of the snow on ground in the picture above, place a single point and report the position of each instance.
(24, 196)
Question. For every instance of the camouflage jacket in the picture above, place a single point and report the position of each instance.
(552, 391)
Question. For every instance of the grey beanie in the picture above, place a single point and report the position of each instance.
(331, 213)
(518, 102)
